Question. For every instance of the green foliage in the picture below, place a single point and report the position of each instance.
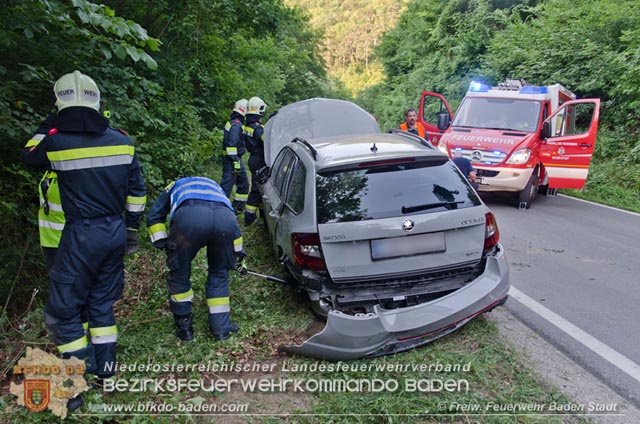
(351, 32)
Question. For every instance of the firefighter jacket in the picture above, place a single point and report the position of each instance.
(254, 135)
(177, 193)
(233, 140)
(419, 127)
(98, 171)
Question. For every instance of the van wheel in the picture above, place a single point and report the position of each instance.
(526, 196)
(543, 189)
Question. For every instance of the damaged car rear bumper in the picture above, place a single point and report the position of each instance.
(387, 331)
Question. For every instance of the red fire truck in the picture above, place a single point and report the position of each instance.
(521, 138)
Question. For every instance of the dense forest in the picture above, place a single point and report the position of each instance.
(351, 31)
(171, 71)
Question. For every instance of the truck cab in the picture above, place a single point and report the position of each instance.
(521, 138)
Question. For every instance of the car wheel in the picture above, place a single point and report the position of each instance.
(526, 196)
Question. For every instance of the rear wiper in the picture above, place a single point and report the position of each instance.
(448, 205)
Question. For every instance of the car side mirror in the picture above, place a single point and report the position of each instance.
(444, 120)
(546, 130)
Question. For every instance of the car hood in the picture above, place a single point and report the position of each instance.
(315, 118)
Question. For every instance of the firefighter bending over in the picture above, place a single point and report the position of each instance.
(199, 215)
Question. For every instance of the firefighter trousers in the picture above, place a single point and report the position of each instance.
(229, 178)
(253, 201)
(87, 275)
(197, 224)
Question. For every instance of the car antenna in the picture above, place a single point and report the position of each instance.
(374, 149)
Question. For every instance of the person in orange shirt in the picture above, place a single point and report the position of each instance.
(412, 125)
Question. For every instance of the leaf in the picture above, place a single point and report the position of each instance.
(149, 61)
(83, 16)
(133, 53)
(28, 32)
(106, 52)
(154, 44)
(121, 52)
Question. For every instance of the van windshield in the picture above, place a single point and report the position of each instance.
(498, 114)
(391, 190)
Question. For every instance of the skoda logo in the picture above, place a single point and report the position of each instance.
(408, 225)
(476, 156)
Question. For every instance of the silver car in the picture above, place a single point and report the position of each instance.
(387, 237)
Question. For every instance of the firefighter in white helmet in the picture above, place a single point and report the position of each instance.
(254, 139)
(233, 170)
(103, 195)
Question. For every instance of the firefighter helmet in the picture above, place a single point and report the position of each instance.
(240, 107)
(257, 106)
(76, 89)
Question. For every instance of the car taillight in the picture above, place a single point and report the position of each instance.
(491, 233)
(307, 252)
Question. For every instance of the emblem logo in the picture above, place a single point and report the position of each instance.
(476, 156)
(36, 394)
(408, 225)
(561, 150)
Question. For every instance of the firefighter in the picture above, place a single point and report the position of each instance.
(200, 214)
(254, 139)
(233, 170)
(99, 180)
(412, 125)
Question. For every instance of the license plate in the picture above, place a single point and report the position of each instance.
(397, 247)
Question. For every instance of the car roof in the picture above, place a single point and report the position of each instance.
(315, 118)
(342, 150)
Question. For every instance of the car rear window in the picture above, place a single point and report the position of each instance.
(392, 189)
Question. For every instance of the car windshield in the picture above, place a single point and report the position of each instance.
(499, 114)
(383, 191)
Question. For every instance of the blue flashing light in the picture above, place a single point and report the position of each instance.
(457, 149)
(533, 89)
(479, 87)
(497, 152)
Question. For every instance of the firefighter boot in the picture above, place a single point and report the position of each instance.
(184, 327)
(249, 218)
(233, 328)
(238, 206)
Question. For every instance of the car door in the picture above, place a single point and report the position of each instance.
(431, 106)
(273, 198)
(569, 139)
(285, 201)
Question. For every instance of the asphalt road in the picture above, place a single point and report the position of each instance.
(581, 263)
